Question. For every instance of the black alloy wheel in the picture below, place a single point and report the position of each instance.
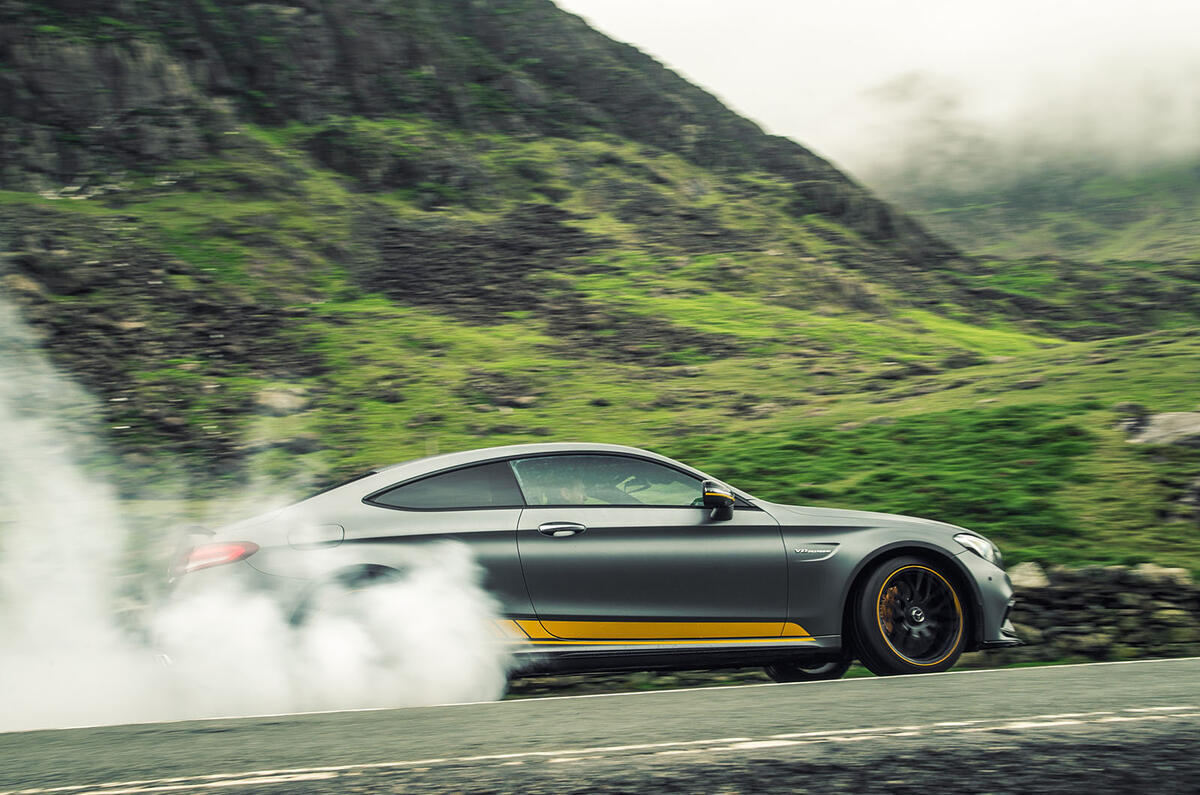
(910, 618)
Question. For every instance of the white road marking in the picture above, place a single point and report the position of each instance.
(846, 731)
(1158, 716)
(572, 759)
(241, 782)
(516, 702)
(752, 744)
(213, 781)
(956, 723)
(602, 749)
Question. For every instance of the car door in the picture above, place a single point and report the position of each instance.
(617, 547)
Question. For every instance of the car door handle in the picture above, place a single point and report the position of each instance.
(561, 529)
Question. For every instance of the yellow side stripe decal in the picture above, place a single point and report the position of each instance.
(668, 642)
(653, 631)
(791, 629)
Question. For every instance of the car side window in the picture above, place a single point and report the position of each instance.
(485, 486)
(603, 480)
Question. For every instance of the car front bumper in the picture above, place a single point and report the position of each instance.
(1008, 637)
(994, 593)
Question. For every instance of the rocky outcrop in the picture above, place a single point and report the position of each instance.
(76, 112)
(1103, 613)
(1173, 427)
(87, 89)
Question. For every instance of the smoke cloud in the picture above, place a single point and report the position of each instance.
(78, 650)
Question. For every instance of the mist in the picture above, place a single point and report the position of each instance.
(878, 86)
(84, 643)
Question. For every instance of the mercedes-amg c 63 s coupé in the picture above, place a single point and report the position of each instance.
(604, 557)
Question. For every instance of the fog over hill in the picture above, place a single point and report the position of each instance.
(1012, 111)
(816, 73)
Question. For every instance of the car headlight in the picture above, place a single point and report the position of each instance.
(981, 547)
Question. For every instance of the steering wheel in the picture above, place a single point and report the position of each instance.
(635, 484)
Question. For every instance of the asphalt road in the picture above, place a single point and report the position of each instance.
(1113, 727)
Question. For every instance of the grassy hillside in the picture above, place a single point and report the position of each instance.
(502, 227)
(1086, 209)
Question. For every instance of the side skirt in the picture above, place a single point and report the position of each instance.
(566, 657)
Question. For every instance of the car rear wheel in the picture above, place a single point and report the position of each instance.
(910, 618)
(337, 594)
(807, 672)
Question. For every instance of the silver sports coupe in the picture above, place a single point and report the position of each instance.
(604, 557)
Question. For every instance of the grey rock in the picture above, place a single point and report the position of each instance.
(1173, 427)
(1028, 575)
(279, 402)
(1031, 635)
(1183, 634)
(516, 401)
(1092, 644)
(302, 443)
(1172, 617)
(1131, 600)
(1161, 575)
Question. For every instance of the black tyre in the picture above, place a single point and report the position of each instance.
(910, 618)
(807, 672)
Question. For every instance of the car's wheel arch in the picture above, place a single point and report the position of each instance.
(352, 576)
(954, 568)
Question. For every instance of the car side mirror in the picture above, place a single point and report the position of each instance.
(719, 497)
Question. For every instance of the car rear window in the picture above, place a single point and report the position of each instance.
(484, 486)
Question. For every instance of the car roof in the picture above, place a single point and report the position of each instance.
(445, 460)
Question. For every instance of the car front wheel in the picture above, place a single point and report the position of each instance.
(910, 618)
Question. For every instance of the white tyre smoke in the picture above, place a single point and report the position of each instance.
(66, 660)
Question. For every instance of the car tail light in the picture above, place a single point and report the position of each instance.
(208, 555)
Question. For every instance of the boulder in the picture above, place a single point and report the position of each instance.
(1028, 575)
(1029, 634)
(1093, 644)
(17, 283)
(1173, 427)
(960, 359)
(1161, 575)
(1172, 617)
(516, 401)
(279, 402)
(301, 443)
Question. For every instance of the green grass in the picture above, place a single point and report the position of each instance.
(825, 386)
(998, 471)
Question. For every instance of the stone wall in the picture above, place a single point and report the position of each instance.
(1101, 613)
